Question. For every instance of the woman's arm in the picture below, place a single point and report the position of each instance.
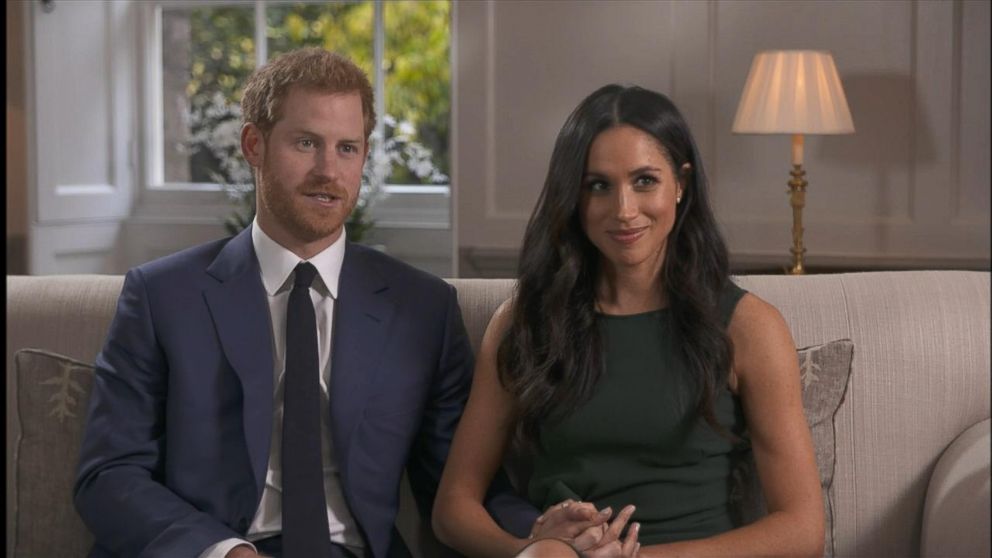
(459, 518)
(766, 374)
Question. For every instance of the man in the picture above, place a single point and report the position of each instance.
(262, 395)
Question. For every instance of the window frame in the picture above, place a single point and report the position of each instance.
(403, 206)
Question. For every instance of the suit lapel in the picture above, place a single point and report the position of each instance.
(241, 317)
(362, 315)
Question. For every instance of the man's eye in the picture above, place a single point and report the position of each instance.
(348, 148)
(307, 143)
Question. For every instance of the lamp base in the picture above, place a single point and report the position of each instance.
(797, 198)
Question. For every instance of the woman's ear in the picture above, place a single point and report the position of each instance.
(684, 172)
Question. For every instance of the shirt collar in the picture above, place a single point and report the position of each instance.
(277, 263)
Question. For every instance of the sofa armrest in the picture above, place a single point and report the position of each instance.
(956, 513)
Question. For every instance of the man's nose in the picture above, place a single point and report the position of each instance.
(326, 163)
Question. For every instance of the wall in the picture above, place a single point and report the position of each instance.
(909, 189)
(17, 189)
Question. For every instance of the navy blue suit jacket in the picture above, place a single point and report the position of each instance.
(177, 440)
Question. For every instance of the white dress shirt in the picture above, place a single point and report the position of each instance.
(277, 265)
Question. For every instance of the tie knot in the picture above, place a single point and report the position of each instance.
(305, 272)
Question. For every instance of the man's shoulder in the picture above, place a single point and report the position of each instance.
(400, 274)
(190, 262)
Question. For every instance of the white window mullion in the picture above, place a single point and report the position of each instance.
(261, 39)
(378, 54)
(156, 172)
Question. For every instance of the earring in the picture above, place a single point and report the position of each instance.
(678, 198)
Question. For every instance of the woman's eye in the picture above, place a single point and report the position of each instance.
(645, 180)
(597, 186)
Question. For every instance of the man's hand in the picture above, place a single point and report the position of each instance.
(576, 522)
(243, 551)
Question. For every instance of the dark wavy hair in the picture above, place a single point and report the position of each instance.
(551, 356)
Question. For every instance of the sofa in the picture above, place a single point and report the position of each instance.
(903, 446)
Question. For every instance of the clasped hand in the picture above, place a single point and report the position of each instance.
(589, 530)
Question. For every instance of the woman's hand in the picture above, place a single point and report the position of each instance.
(609, 544)
(577, 522)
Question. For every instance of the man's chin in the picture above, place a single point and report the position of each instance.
(311, 233)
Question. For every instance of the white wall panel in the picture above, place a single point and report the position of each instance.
(83, 116)
(81, 126)
(973, 140)
(909, 189)
(77, 248)
(521, 67)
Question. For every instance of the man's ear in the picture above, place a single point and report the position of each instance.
(252, 144)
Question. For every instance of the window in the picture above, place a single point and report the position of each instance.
(201, 53)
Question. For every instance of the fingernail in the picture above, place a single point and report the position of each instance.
(565, 505)
(606, 511)
(637, 527)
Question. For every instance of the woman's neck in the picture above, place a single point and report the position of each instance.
(629, 290)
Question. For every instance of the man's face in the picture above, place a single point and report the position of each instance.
(309, 169)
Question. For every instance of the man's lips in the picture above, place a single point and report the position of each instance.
(627, 236)
(323, 198)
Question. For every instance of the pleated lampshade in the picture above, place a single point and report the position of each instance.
(793, 92)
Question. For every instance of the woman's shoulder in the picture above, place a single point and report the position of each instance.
(760, 337)
(499, 324)
(728, 299)
(757, 327)
(751, 312)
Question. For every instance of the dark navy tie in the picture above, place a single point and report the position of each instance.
(304, 511)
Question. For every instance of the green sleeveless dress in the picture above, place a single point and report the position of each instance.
(637, 441)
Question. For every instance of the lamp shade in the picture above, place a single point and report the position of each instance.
(793, 92)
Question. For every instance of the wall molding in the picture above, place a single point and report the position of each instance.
(502, 263)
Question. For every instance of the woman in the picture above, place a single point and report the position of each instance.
(631, 365)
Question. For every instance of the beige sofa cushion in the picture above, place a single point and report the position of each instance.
(52, 393)
(958, 498)
(825, 371)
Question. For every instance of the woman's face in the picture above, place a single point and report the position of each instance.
(628, 199)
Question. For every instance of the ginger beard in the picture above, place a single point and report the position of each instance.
(297, 210)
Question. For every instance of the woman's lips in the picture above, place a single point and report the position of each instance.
(627, 236)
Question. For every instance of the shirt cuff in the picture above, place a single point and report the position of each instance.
(220, 550)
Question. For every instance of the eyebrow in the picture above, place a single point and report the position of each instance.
(304, 131)
(635, 172)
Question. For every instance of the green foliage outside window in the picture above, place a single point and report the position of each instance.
(418, 74)
(416, 61)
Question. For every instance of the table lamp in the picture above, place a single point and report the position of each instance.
(794, 92)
